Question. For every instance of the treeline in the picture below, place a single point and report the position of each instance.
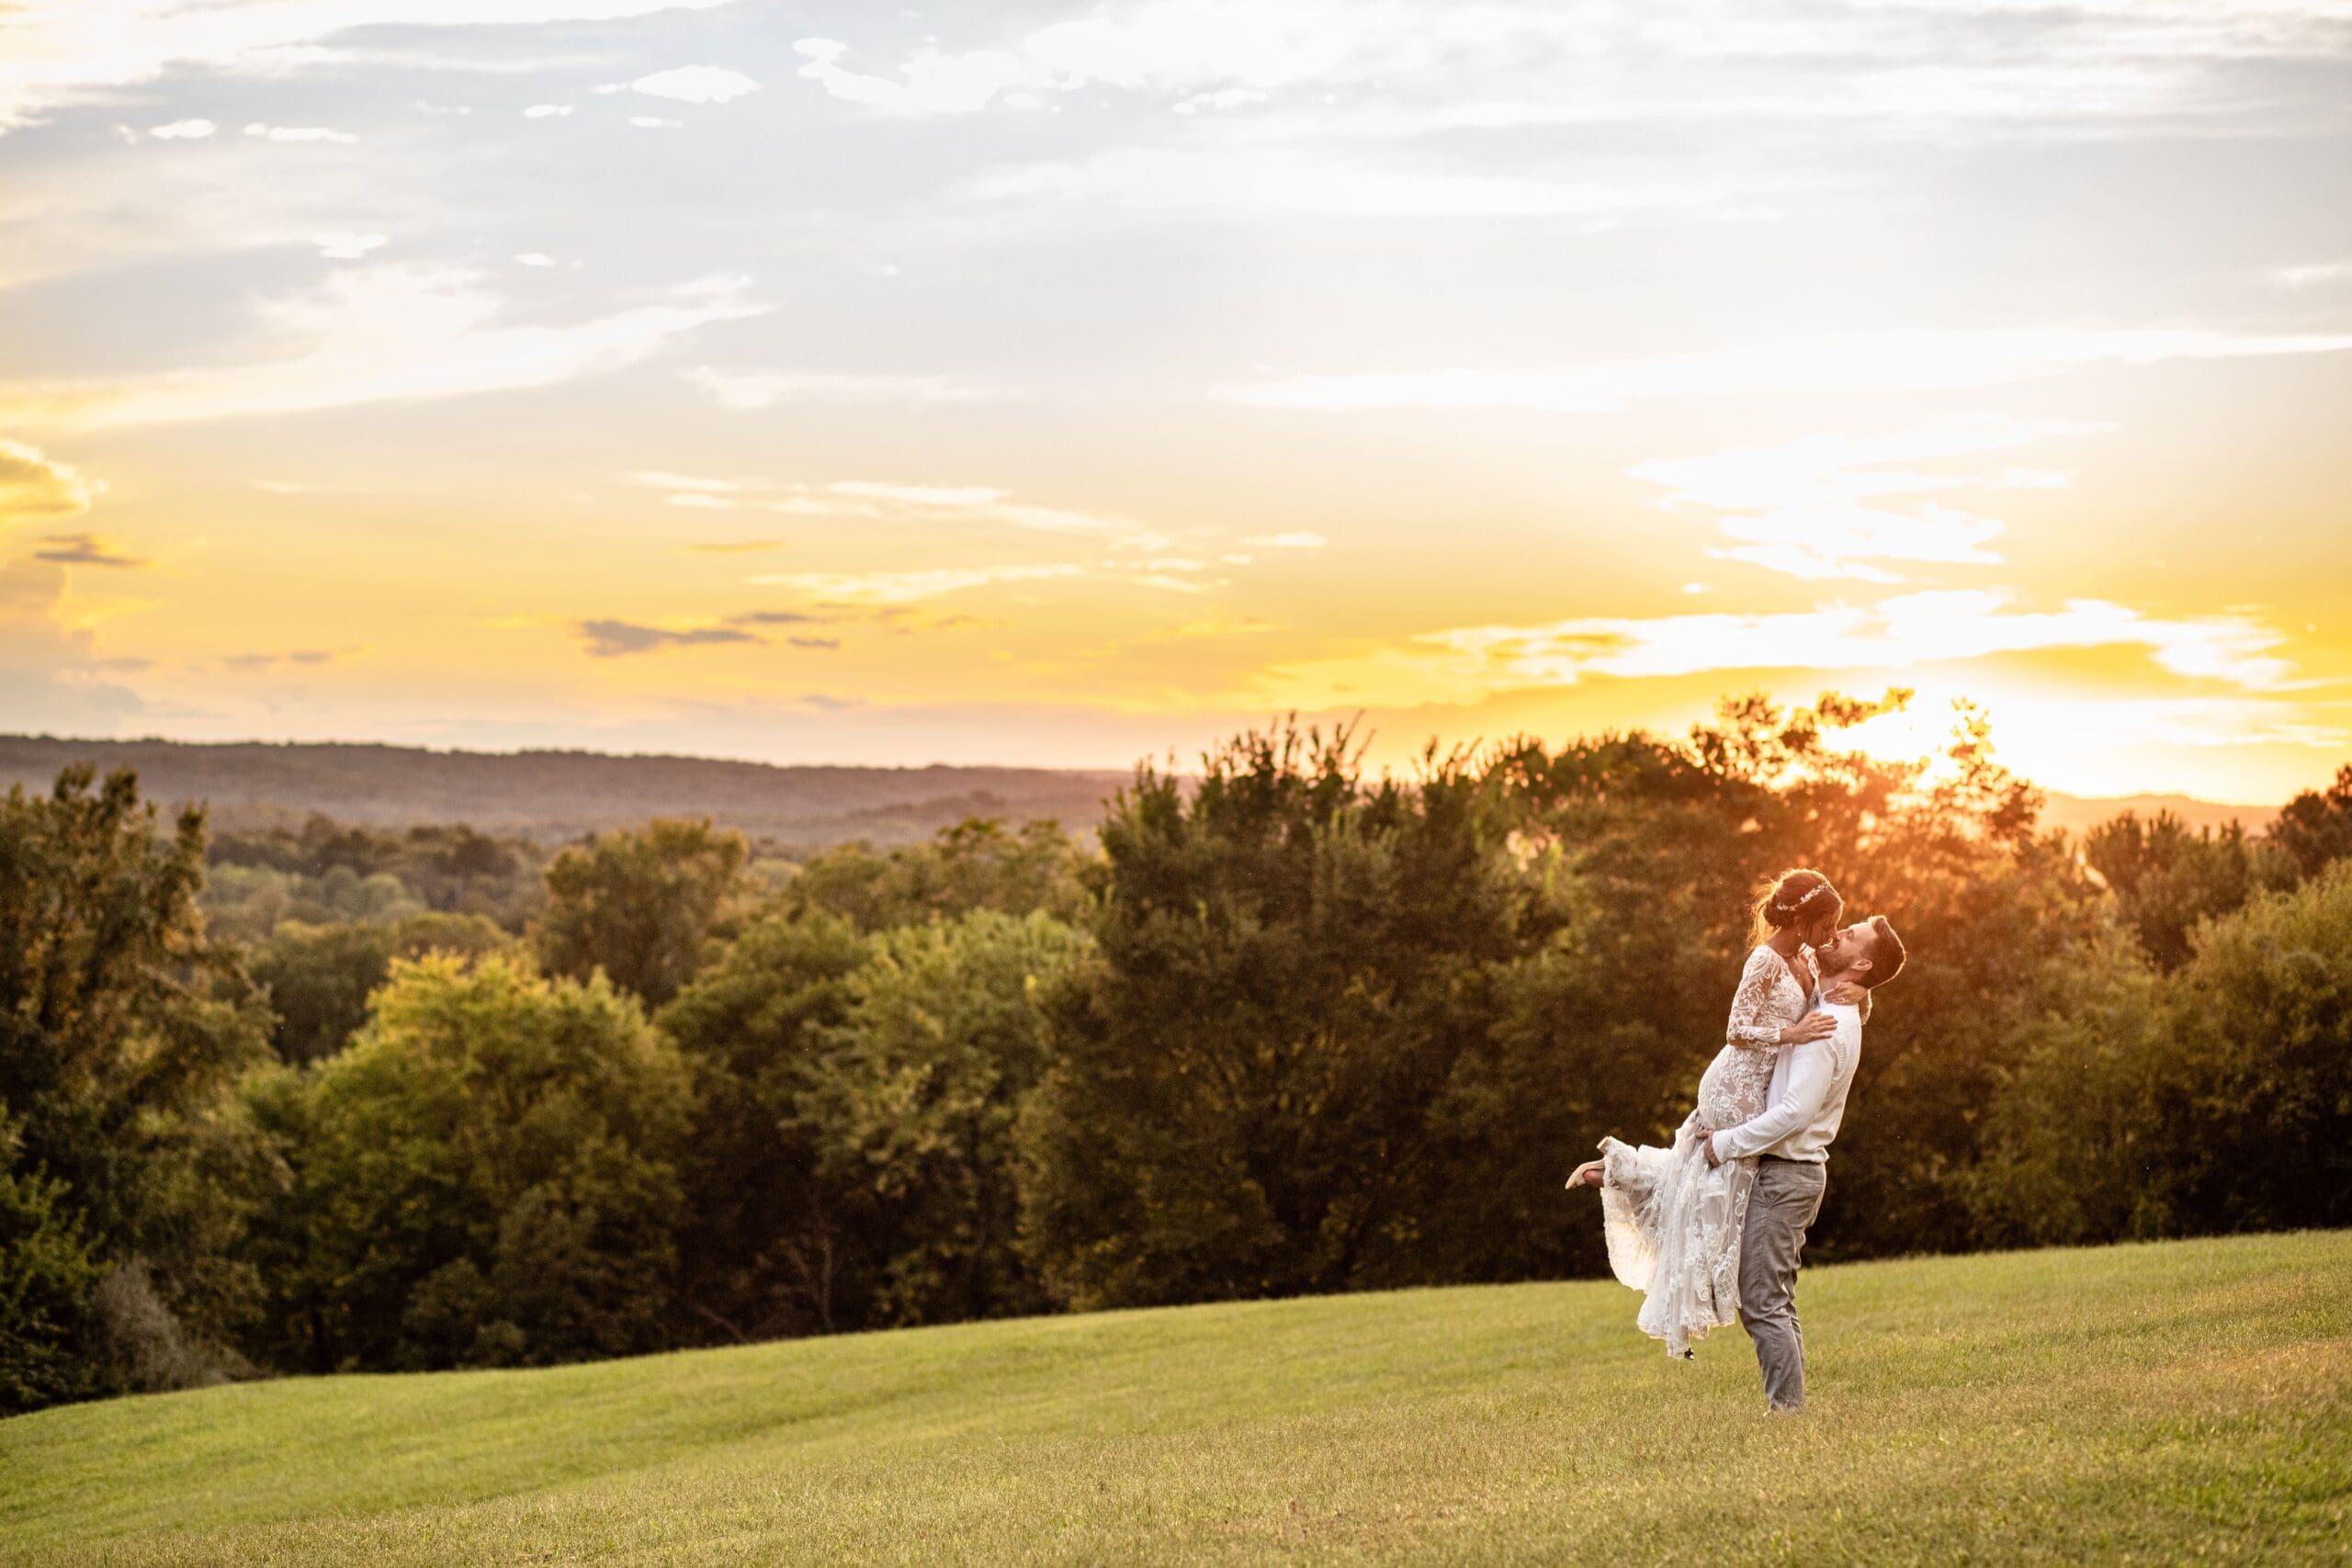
(1280, 1028)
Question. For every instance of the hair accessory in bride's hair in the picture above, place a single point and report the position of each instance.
(1818, 889)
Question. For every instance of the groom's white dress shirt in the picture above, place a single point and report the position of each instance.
(1807, 1098)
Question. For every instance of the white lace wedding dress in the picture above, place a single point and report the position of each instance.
(1672, 1220)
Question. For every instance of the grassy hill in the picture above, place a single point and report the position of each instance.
(2143, 1403)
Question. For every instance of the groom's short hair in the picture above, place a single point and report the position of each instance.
(1886, 954)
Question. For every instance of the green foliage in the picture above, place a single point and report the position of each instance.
(449, 868)
(2216, 1100)
(2315, 828)
(977, 865)
(2167, 878)
(762, 1252)
(911, 1110)
(642, 904)
(318, 977)
(47, 1270)
(486, 1176)
(1291, 966)
(247, 903)
(121, 1027)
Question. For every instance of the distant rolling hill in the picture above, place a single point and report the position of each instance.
(2076, 812)
(554, 796)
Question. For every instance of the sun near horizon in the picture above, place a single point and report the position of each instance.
(1064, 385)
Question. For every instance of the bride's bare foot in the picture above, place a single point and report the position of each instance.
(1586, 1175)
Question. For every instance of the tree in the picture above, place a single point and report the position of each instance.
(979, 864)
(318, 977)
(2315, 828)
(2165, 878)
(911, 1109)
(486, 1176)
(122, 1027)
(47, 1272)
(642, 904)
(764, 1254)
(1292, 961)
(2211, 1099)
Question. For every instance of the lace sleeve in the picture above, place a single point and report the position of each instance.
(1751, 1023)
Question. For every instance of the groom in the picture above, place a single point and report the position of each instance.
(1791, 1143)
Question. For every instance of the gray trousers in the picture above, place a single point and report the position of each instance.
(1785, 1200)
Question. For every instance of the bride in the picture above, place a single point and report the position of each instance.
(1672, 1220)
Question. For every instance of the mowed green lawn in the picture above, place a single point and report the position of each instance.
(2145, 1404)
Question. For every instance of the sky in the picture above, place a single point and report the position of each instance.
(1072, 384)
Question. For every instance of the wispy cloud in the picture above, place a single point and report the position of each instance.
(697, 85)
(1921, 361)
(35, 487)
(371, 334)
(85, 549)
(1298, 183)
(611, 639)
(65, 53)
(748, 391)
(307, 658)
(1832, 505)
(51, 675)
(1894, 634)
(895, 500)
(909, 587)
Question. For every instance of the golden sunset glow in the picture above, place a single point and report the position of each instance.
(1073, 384)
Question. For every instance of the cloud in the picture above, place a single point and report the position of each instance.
(826, 643)
(379, 334)
(748, 391)
(774, 618)
(909, 587)
(1282, 181)
(298, 133)
(889, 499)
(347, 247)
(84, 549)
(697, 85)
(35, 487)
(547, 111)
(1293, 541)
(2314, 275)
(733, 546)
(1896, 632)
(182, 130)
(609, 639)
(51, 675)
(934, 82)
(920, 495)
(306, 658)
(1836, 362)
(1826, 506)
(70, 53)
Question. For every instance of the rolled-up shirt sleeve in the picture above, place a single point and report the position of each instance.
(1811, 1070)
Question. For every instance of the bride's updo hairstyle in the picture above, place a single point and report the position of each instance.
(1797, 897)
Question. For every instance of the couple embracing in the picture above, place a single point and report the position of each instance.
(1710, 1229)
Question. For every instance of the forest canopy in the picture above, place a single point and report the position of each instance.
(343, 1098)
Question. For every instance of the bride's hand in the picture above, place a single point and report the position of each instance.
(1812, 1026)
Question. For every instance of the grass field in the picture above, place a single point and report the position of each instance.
(2148, 1403)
